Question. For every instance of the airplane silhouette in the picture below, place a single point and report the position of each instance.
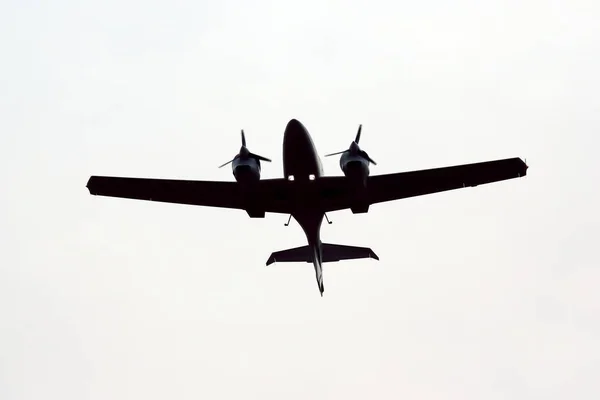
(304, 193)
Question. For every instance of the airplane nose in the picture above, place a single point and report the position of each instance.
(294, 127)
(299, 155)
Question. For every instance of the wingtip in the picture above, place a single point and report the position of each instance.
(89, 184)
(524, 167)
(374, 256)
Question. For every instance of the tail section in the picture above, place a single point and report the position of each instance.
(331, 253)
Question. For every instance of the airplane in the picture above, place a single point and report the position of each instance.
(305, 193)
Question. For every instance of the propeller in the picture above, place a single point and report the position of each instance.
(245, 153)
(355, 148)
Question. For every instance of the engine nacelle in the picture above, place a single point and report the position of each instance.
(355, 167)
(246, 170)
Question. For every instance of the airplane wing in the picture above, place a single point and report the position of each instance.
(382, 188)
(325, 194)
(268, 195)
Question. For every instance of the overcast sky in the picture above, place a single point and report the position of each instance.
(482, 293)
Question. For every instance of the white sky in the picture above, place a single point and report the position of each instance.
(485, 293)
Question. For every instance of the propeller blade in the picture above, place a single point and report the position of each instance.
(243, 139)
(228, 162)
(358, 134)
(261, 158)
(366, 156)
(333, 154)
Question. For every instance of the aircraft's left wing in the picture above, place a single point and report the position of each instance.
(268, 195)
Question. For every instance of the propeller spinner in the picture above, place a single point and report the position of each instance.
(245, 153)
(355, 148)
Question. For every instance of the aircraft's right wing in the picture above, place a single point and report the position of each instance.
(417, 183)
(337, 193)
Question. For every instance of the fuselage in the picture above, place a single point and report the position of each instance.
(301, 163)
(300, 158)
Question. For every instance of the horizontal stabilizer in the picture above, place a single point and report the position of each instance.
(331, 253)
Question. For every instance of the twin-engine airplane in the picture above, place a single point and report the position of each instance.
(305, 193)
